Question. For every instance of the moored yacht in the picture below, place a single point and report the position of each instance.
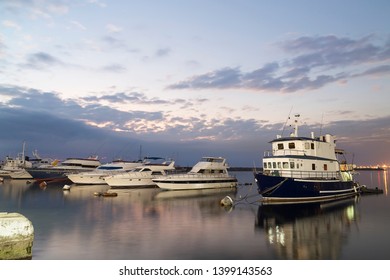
(140, 177)
(96, 176)
(305, 169)
(208, 173)
(15, 168)
(60, 171)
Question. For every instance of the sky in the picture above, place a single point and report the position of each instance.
(186, 79)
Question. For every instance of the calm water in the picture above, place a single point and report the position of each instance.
(151, 224)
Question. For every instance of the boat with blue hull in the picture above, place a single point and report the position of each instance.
(59, 171)
(305, 169)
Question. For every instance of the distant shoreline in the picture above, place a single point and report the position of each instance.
(243, 168)
(369, 168)
(187, 168)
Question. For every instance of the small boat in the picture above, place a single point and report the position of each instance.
(365, 190)
(305, 169)
(106, 194)
(140, 177)
(208, 173)
(96, 176)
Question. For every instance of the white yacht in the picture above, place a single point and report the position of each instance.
(15, 168)
(208, 173)
(96, 176)
(60, 170)
(140, 177)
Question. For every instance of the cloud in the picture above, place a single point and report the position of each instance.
(379, 70)
(45, 116)
(42, 60)
(130, 97)
(67, 127)
(115, 68)
(78, 25)
(113, 43)
(2, 46)
(317, 62)
(112, 28)
(42, 9)
(222, 78)
(11, 24)
(98, 3)
(163, 52)
(332, 51)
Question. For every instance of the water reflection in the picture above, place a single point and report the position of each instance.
(185, 194)
(385, 184)
(152, 224)
(374, 179)
(136, 224)
(308, 231)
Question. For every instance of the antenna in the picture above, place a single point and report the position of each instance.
(284, 126)
(322, 122)
(296, 125)
(140, 152)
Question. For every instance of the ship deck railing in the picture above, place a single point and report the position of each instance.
(312, 175)
(197, 175)
(285, 152)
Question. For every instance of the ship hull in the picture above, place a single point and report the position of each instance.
(195, 184)
(51, 174)
(284, 189)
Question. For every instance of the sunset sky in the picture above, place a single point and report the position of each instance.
(186, 79)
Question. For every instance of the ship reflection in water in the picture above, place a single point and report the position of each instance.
(308, 231)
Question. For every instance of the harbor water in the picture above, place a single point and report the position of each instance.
(151, 224)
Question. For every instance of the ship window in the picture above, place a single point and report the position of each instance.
(265, 165)
(280, 146)
(312, 146)
(269, 165)
(291, 145)
(285, 165)
(292, 165)
(325, 167)
(313, 166)
(279, 165)
(274, 164)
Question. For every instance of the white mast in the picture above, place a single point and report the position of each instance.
(295, 133)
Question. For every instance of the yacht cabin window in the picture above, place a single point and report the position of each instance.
(313, 166)
(309, 146)
(279, 165)
(285, 165)
(280, 146)
(291, 145)
(274, 164)
(325, 167)
(292, 165)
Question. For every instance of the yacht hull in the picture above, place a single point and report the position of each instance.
(87, 179)
(130, 183)
(196, 184)
(284, 189)
(50, 174)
